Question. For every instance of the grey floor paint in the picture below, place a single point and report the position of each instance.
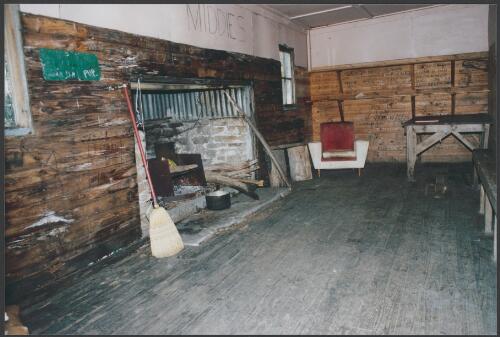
(340, 255)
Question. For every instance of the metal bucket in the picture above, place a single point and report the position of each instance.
(218, 200)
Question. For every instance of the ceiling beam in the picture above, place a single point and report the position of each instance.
(365, 10)
(320, 12)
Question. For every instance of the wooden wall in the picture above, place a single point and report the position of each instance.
(378, 98)
(71, 192)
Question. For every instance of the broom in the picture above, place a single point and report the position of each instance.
(164, 237)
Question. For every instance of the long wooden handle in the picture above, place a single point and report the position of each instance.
(261, 138)
(139, 144)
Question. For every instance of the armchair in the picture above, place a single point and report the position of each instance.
(338, 149)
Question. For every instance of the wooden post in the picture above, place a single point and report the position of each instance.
(411, 154)
(359, 172)
(453, 99)
(340, 102)
(413, 105)
(488, 216)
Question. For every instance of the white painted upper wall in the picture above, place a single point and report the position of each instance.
(442, 30)
(247, 29)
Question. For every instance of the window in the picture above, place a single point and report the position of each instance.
(287, 76)
(9, 119)
(17, 117)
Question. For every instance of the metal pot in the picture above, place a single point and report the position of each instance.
(218, 200)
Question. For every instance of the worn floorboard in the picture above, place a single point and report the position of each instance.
(340, 255)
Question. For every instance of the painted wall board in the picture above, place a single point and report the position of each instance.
(60, 65)
(247, 29)
(442, 30)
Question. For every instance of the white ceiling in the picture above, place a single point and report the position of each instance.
(316, 15)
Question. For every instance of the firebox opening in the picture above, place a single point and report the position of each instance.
(191, 127)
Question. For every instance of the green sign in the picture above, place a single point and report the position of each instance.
(61, 65)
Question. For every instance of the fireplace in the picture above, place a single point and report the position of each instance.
(191, 118)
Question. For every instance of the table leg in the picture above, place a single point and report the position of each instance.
(481, 200)
(488, 216)
(484, 136)
(411, 154)
(495, 239)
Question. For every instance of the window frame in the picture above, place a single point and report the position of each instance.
(285, 49)
(14, 56)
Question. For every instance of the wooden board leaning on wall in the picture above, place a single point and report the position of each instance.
(379, 96)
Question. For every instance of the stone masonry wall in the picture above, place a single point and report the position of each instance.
(223, 140)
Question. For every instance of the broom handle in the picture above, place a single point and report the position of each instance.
(139, 144)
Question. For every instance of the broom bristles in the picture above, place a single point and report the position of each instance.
(165, 239)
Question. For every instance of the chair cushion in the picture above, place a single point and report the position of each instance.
(337, 136)
(339, 159)
(339, 154)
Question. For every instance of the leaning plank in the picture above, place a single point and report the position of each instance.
(261, 138)
(274, 176)
(227, 181)
(300, 164)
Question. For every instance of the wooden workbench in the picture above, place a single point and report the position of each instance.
(441, 127)
(485, 174)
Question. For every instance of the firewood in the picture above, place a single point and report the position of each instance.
(182, 168)
(259, 183)
(234, 183)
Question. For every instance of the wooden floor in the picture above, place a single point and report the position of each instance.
(340, 255)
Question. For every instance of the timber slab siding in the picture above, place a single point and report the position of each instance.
(70, 188)
(379, 96)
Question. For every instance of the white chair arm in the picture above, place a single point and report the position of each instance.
(361, 147)
(315, 151)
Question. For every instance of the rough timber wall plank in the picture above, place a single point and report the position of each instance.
(378, 98)
(379, 121)
(71, 191)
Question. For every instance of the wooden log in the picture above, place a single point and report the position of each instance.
(230, 182)
(259, 183)
(231, 167)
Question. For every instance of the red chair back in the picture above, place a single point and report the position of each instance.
(337, 136)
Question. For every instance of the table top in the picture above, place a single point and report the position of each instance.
(480, 118)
